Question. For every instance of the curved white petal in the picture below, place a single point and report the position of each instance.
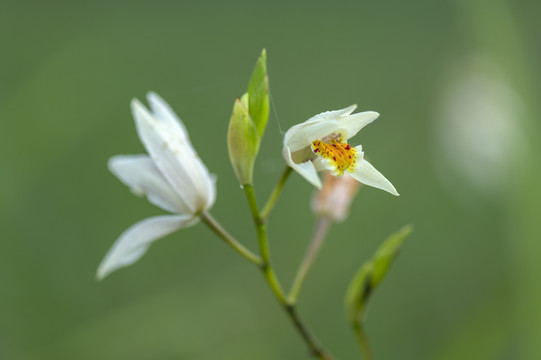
(333, 114)
(135, 241)
(328, 123)
(305, 169)
(143, 177)
(212, 190)
(321, 164)
(174, 156)
(352, 124)
(368, 175)
(162, 111)
(302, 135)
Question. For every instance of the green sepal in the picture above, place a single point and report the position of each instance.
(243, 141)
(258, 94)
(371, 273)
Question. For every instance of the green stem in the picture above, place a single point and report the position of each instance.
(315, 349)
(275, 194)
(362, 338)
(268, 271)
(230, 240)
(319, 235)
(261, 231)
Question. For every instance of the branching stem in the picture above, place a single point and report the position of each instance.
(230, 240)
(316, 350)
(275, 194)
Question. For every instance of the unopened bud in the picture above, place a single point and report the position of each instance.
(242, 141)
(334, 199)
(248, 121)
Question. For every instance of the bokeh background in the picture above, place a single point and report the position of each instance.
(457, 86)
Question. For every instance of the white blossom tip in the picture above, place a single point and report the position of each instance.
(153, 95)
(137, 107)
(351, 108)
(157, 101)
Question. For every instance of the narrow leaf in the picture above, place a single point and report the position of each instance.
(358, 291)
(371, 273)
(387, 252)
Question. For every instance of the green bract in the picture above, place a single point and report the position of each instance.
(248, 121)
(258, 94)
(371, 273)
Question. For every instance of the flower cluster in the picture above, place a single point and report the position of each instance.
(175, 179)
(172, 176)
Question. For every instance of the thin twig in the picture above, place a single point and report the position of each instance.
(316, 349)
(322, 226)
(230, 240)
(362, 338)
(275, 194)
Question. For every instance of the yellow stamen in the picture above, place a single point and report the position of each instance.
(342, 156)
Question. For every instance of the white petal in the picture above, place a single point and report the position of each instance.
(135, 241)
(305, 169)
(162, 111)
(212, 191)
(174, 156)
(367, 174)
(334, 114)
(317, 127)
(143, 177)
(352, 124)
(302, 135)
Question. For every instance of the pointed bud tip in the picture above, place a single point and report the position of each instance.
(137, 106)
(100, 274)
(152, 94)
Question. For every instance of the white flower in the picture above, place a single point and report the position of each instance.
(321, 143)
(172, 177)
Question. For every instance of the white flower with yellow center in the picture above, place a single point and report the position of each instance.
(320, 143)
(171, 176)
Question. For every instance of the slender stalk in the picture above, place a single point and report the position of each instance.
(322, 226)
(268, 271)
(261, 231)
(315, 349)
(362, 338)
(230, 240)
(275, 194)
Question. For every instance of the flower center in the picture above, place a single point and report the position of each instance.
(340, 156)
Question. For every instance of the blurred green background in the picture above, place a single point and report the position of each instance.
(457, 86)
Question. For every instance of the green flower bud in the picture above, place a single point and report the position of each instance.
(248, 121)
(243, 141)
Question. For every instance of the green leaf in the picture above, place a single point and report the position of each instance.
(242, 141)
(258, 94)
(387, 253)
(358, 291)
(371, 273)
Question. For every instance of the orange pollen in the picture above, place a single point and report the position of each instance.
(342, 156)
